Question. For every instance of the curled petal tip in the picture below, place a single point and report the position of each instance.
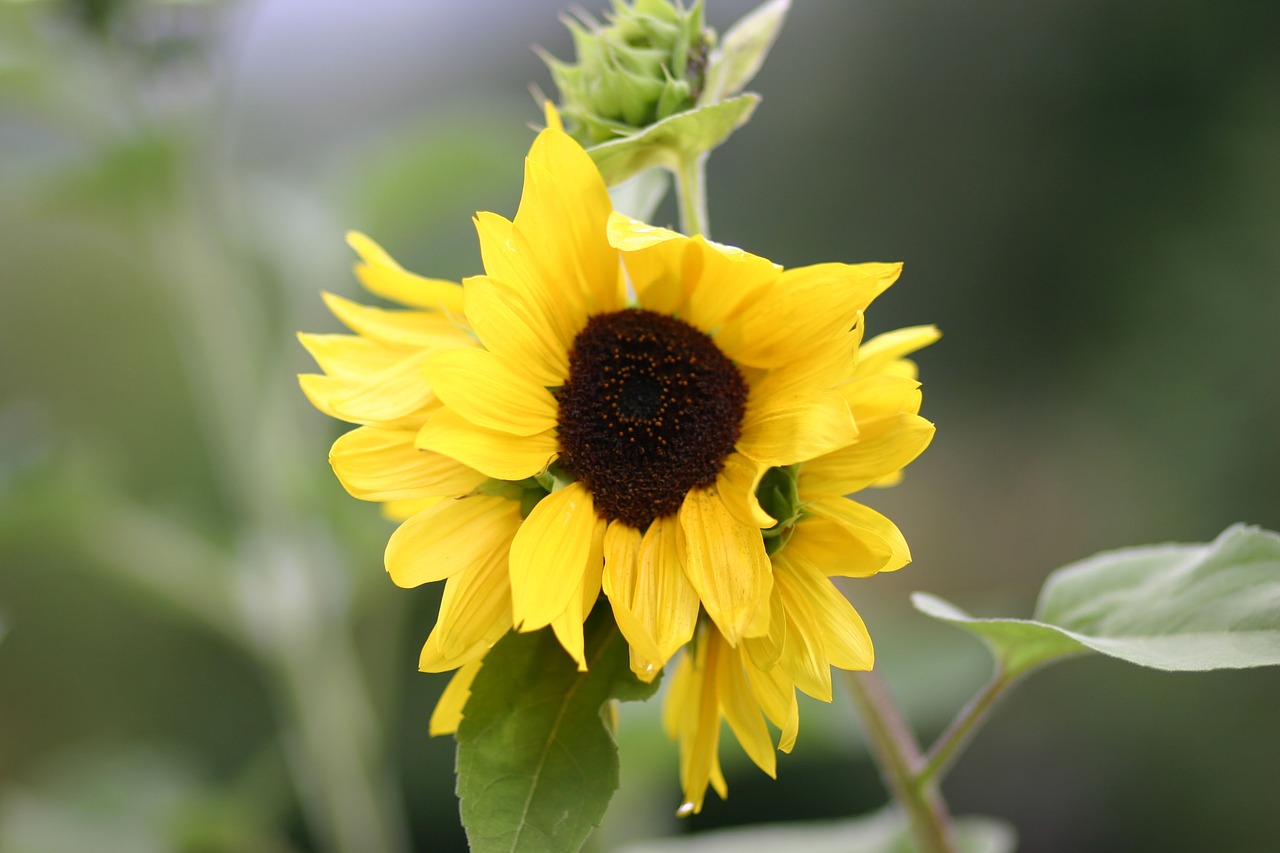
(553, 117)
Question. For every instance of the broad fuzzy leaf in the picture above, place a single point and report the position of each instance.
(1171, 607)
(537, 763)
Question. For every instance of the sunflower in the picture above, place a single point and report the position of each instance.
(621, 409)
(650, 424)
(821, 534)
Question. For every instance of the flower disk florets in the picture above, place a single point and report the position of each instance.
(650, 410)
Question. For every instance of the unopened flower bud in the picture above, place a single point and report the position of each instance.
(645, 63)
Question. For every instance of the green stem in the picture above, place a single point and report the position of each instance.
(691, 189)
(335, 749)
(898, 755)
(963, 727)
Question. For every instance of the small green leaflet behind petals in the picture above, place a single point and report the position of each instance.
(537, 763)
(738, 57)
(882, 832)
(673, 140)
(1172, 607)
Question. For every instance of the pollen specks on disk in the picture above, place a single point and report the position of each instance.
(650, 410)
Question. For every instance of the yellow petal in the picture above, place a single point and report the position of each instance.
(513, 326)
(841, 537)
(890, 480)
(542, 302)
(729, 280)
(332, 395)
(844, 635)
(831, 364)
(382, 276)
(882, 350)
(376, 464)
(718, 783)
(881, 394)
(804, 655)
(632, 235)
(652, 598)
(568, 625)
(884, 446)
(475, 613)
(476, 606)
(783, 429)
(621, 567)
(483, 389)
(552, 116)
(397, 394)
(426, 329)
(776, 693)
(805, 307)
(765, 650)
(551, 552)
(500, 455)
(682, 697)
(727, 565)
(654, 259)
(406, 509)
(562, 218)
(448, 713)
(431, 659)
(706, 283)
(700, 736)
(668, 603)
(737, 484)
(352, 355)
(450, 537)
(743, 714)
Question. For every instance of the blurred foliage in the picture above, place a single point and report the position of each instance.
(1086, 196)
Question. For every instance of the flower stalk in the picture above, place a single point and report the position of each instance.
(898, 755)
(691, 189)
(949, 743)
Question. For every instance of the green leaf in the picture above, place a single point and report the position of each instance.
(1172, 607)
(673, 140)
(537, 763)
(742, 51)
(882, 832)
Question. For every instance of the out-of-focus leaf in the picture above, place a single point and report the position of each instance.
(883, 832)
(738, 57)
(1171, 607)
(537, 763)
(673, 140)
(120, 175)
(134, 801)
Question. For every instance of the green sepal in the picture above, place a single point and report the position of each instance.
(537, 762)
(512, 490)
(736, 60)
(1175, 607)
(553, 477)
(674, 140)
(779, 496)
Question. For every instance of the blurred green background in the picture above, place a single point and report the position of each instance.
(202, 652)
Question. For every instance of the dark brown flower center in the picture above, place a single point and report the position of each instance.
(650, 410)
